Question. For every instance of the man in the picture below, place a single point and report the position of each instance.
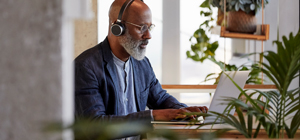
(114, 81)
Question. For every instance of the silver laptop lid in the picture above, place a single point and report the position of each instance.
(226, 88)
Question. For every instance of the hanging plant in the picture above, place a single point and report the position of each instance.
(203, 49)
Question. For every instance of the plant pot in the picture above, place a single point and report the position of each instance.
(239, 21)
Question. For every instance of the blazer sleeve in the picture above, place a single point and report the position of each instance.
(90, 103)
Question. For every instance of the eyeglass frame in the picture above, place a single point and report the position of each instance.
(150, 28)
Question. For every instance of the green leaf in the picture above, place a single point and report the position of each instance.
(206, 14)
(274, 63)
(206, 22)
(295, 123)
(205, 4)
(269, 74)
(233, 2)
(282, 54)
(231, 120)
(247, 1)
(288, 131)
(257, 130)
(241, 2)
(237, 6)
(252, 6)
(250, 122)
(242, 7)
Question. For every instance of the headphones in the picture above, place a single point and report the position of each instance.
(118, 28)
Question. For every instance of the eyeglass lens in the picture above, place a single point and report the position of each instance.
(144, 28)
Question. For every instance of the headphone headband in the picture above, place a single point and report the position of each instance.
(123, 8)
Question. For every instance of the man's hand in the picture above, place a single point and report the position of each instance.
(170, 114)
(201, 109)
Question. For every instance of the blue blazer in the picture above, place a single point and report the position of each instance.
(96, 87)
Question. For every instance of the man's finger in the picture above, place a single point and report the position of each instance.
(180, 116)
(203, 109)
(194, 109)
(206, 109)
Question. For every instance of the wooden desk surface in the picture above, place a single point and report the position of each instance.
(194, 132)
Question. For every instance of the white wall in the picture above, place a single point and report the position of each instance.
(171, 42)
(283, 17)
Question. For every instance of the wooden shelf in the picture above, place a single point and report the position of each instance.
(264, 36)
(209, 88)
(215, 86)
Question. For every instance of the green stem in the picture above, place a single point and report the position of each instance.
(282, 112)
(283, 118)
(280, 115)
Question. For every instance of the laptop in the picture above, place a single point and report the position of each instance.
(225, 88)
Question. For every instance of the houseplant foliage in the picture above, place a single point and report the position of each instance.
(201, 36)
(236, 5)
(203, 49)
(283, 104)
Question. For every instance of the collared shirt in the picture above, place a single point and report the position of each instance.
(126, 101)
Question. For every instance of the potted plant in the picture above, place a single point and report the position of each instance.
(241, 14)
(282, 105)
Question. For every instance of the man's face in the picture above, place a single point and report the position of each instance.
(134, 47)
(135, 39)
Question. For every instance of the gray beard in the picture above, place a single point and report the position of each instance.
(132, 46)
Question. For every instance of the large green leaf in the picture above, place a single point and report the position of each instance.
(276, 63)
(250, 122)
(295, 123)
(205, 4)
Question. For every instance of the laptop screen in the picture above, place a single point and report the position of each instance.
(226, 88)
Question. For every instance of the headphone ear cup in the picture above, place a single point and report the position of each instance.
(117, 29)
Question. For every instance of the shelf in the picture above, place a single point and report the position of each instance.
(264, 36)
(209, 88)
(215, 86)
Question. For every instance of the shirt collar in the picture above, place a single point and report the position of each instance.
(120, 63)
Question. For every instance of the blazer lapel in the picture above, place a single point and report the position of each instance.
(136, 76)
(112, 72)
(110, 66)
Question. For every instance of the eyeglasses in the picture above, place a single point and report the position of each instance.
(143, 28)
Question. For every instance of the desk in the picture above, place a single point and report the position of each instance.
(193, 132)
